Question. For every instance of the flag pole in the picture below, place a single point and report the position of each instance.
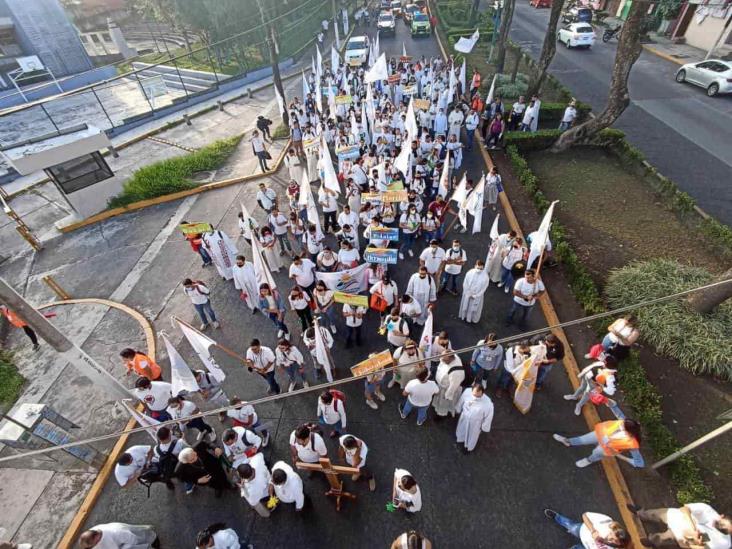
(223, 348)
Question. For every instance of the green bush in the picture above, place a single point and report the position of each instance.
(281, 132)
(173, 175)
(531, 141)
(701, 343)
(11, 382)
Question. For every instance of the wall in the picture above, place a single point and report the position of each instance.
(705, 35)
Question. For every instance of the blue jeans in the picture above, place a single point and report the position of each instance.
(507, 278)
(447, 279)
(277, 322)
(521, 312)
(199, 424)
(481, 375)
(204, 255)
(429, 235)
(408, 242)
(335, 426)
(327, 318)
(589, 439)
(543, 372)
(421, 411)
(569, 525)
(471, 136)
(564, 126)
(272, 382)
(202, 309)
(160, 415)
(284, 242)
(295, 372)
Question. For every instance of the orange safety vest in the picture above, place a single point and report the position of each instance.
(618, 439)
(13, 318)
(139, 368)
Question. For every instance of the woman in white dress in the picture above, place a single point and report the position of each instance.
(268, 241)
(294, 165)
(312, 154)
(450, 374)
(495, 255)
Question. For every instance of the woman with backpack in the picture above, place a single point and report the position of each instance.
(332, 411)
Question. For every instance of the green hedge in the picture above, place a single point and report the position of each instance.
(640, 393)
(173, 175)
(11, 382)
(531, 141)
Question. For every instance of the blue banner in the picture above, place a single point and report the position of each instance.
(384, 233)
(381, 255)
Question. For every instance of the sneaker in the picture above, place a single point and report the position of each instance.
(372, 484)
(563, 440)
(189, 491)
(212, 435)
(411, 253)
(265, 439)
(279, 334)
(381, 397)
(291, 388)
(505, 290)
(500, 284)
(333, 328)
(420, 423)
(399, 407)
(204, 326)
(36, 346)
(588, 356)
(305, 384)
(584, 462)
(371, 404)
(216, 324)
(401, 255)
(578, 409)
(569, 397)
(550, 514)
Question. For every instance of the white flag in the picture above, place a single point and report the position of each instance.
(461, 191)
(494, 228)
(462, 78)
(319, 59)
(493, 248)
(404, 49)
(332, 104)
(319, 96)
(425, 342)
(370, 109)
(330, 179)
(410, 123)
(142, 419)
(538, 242)
(350, 281)
(306, 199)
(202, 346)
(378, 72)
(312, 66)
(355, 130)
(261, 269)
(489, 97)
(345, 21)
(305, 86)
(466, 45)
(442, 190)
(403, 162)
(365, 123)
(474, 204)
(335, 60)
(181, 377)
(321, 351)
(247, 229)
(280, 101)
(337, 36)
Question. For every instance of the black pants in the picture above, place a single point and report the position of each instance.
(329, 220)
(31, 334)
(200, 424)
(306, 318)
(353, 333)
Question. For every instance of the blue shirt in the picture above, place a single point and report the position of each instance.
(487, 358)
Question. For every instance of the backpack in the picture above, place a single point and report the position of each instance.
(337, 395)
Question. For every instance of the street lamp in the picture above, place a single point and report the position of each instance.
(497, 9)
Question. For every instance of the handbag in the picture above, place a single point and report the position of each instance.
(267, 155)
(378, 302)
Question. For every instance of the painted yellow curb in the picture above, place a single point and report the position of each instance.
(664, 55)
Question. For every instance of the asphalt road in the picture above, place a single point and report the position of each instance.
(682, 132)
(492, 498)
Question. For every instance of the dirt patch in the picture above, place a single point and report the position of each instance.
(611, 216)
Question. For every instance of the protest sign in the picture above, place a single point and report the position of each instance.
(350, 281)
(343, 99)
(195, 228)
(394, 195)
(423, 104)
(384, 233)
(411, 89)
(349, 152)
(394, 79)
(381, 255)
(374, 363)
(372, 198)
(351, 299)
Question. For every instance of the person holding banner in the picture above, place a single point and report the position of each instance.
(354, 320)
(347, 256)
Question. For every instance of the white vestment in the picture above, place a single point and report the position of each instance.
(246, 280)
(495, 257)
(291, 491)
(222, 251)
(476, 415)
(471, 305)
(423, 291)
(448, 377)
(119, 534)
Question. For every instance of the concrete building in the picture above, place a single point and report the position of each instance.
(40, 27)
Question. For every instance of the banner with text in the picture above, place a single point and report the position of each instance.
(381, 255)
(350, 281)
(351, 299)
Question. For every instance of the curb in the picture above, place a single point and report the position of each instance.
(663, 55)
(614, 475)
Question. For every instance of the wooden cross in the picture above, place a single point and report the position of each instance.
(331, 472)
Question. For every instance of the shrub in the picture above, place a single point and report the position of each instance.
(701, 343)
(531, 141)
(281, 132)
(11, 382)
(173, 175)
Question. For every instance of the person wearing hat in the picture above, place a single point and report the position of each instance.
(570, 115)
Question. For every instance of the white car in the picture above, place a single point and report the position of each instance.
(357, 50)
(386, 23)
(577, 35)
(714, 75)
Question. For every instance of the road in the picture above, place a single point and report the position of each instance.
(681, 131)
(493, 498)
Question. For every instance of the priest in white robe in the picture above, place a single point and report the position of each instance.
(476, 416)
(245, 280)
(422, 289)
(450, 374)
(474, 287)
(286, 484)
(118, 534)
(223, 251)
(495, 255)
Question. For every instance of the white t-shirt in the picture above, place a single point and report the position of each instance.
(432, 258)
(388, 291)
(123, 473)
(451, 254)
(527, 289)
(267, 198)
(306, 453)
(241, 414)
(185, 409)
(261, 360)
(156, 397)
(350, 453)
(303, 273)
(601, 523)
(407, 497)
(412, 222)
(570, 113)
(257, 488)
(347, 257)
(354, 320)
(348, 219)
(705, 517)
(275, 222)
(420, 394)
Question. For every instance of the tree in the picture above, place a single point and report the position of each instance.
(705, 301)
(474, 10)
(628, 52)
(503, 29)
(547, 50)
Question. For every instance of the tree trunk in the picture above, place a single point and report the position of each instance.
(503, 29)
(474, 10)
(547, 50)
(628, 52)
(274, 58)
(705, 301)
(517, 52)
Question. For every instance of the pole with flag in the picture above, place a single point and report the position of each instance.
(378, 72)
(181, 377)
(142, 419)
(335, 59)
(306, 199)
(491, 91)
(410, 123)
(462, 78)
(425, 341)
(443, 188)
(538, 243)
(330, 179)
(280, 103)
(202, 344)
(305, 86)
(474, 204)
(261, 268)
(460, 195)
(322, 355)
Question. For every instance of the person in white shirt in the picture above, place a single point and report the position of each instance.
(471, 124)
(387, 289)
(259, 150)
(422, 289)
(179, 408)
(693, 525)
(449, 376)
(154, 395)
(245, 280)
(476, 416)
(596, 531)
(199, 294)
(118, 535)
(396, 328)
(131, 464)
(474, 286)
(525, 292)
(243, 415)
(348, 233)
(405, 492)
(329, 205)
(432, 257)
(331, 411)
(294, 166)
(455, 121)
(254, 478)
(302, 271)
(348, 256)
(348, 217)
(306, 445)
(286, 484)
(512, 254)
(569, 116)
(313, 242)
(455, 258)
(266, 197)
(165, 455)
(353, 451)
(290, 359)
(354, 320)
(308, 338)
(410, 309)
(419, 393)
(240, 445)
(278, 221)
(440, 123)
(261, 360)
(217, 536)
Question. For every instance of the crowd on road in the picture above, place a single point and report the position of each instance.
(398, 131)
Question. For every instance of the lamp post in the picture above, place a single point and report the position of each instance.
(497, 9)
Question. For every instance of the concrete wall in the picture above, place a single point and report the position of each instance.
(705, 35)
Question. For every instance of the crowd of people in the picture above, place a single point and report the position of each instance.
(339, 232)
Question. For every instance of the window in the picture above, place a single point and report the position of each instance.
(79, 173)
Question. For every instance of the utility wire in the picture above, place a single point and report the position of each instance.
(322, 386)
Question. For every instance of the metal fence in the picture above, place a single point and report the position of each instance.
(155, 81)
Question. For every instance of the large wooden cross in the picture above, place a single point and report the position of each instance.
(331, 472)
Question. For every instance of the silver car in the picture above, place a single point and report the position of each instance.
(714, 75)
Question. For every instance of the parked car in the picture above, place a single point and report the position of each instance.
(714, 74)
(420, 25)
(386, 23)
(577, 14)
(409, 11)
(357, 50)
(396, 8)
(577, 35)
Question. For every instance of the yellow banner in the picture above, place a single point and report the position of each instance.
(195, 228)
(351, 299)
(423, 104)
(374, 363)
(343, 100)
